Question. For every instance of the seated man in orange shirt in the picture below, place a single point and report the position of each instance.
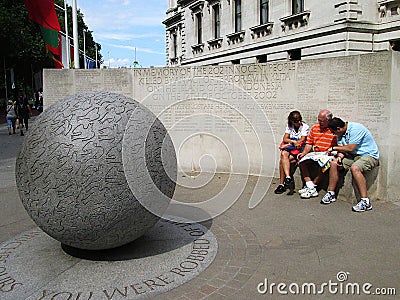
(320, 139)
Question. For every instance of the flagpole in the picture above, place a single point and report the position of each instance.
(95, 45)
(84, 49)
(66, 34)
(75, 34)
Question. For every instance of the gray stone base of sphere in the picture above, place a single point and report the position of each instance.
(71, 177)
(167, 256)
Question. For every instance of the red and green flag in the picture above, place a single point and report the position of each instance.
(43, 12)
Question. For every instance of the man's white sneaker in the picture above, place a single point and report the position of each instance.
(303, 190)
(328, 198)
(309, 193)
(361, 206)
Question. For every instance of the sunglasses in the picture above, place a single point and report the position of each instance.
(296, 121)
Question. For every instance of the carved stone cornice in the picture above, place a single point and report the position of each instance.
(385, 2)
(214, 43)
(184, 3)
(261, 30)
(387, 7)
(174, 28)
(211, 3)
(176, 60)
(173, 20)
(236, 37)
(197, 7)
(198, 48)
(172, 9)
(295, 21)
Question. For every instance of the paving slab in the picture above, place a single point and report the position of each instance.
(34, 265)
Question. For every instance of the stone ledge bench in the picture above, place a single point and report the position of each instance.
(346, 189)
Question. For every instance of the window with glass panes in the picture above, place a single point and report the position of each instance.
(217, 21)
(264, 7)
(238, 15)
(174, 46)
(297, 6)
(199, 28)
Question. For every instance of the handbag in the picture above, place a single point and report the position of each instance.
(291, 148)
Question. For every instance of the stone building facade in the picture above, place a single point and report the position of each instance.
(220, 32)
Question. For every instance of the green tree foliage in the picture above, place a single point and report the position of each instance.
(22, 46)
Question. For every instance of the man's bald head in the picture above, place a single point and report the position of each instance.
(324, 117)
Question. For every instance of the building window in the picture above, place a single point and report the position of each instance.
(199, 28)
(294, 54)
(395, 45)
(238, 15)
(297, 6)
(262, 58)
(174, 46)
(217, 22)
(264, 7)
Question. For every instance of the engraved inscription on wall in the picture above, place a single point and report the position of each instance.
(239, 97)
(263, 83)
(374, 94)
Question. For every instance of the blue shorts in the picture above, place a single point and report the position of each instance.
(11, 122)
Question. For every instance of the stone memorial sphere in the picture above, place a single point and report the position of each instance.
(71, 176)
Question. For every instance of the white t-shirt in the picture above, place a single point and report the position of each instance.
(304, 130)
(11, 112)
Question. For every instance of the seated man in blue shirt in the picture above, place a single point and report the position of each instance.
(356, 151)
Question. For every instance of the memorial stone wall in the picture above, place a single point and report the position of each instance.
(232, 118)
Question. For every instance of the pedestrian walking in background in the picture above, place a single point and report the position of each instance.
(11, 117)
(24, 112)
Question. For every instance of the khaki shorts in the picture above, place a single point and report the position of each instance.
(365, 163)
